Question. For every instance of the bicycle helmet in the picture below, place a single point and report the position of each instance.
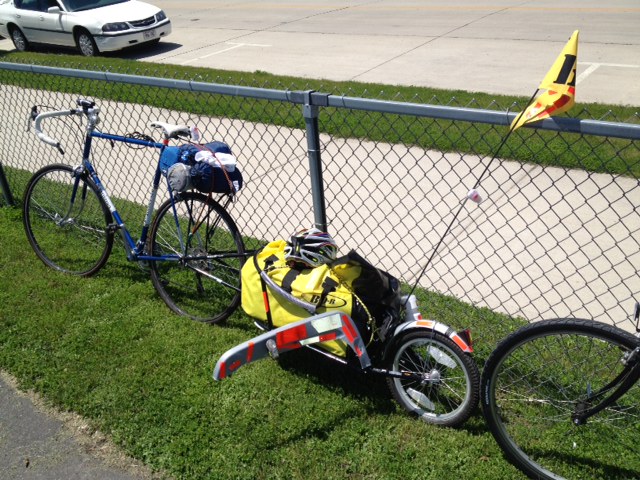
(311, 248)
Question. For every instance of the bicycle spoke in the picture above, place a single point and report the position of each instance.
(67, 236)
(204, 283)
(540, 378)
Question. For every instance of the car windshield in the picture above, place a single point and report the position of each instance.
(79, 5)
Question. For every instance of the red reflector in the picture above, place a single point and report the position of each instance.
(466, 336)
(289, 338)
(328, 336)
(235, 365)
(348, 329)
(250, 352)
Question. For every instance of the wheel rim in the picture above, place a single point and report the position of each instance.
(18, 40)
(86, 45)
(444, 387)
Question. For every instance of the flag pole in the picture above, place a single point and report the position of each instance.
(464, 201)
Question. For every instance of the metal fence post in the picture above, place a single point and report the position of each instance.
(310, 113)
(4, 186)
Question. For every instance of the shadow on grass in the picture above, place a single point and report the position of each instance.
(372, 389)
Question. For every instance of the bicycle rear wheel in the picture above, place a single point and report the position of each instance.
(66, 221)
(539, 377)
(202, 278)
(447, 392)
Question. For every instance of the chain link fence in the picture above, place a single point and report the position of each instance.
(558, 232)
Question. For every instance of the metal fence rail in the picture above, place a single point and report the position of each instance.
(547, 241)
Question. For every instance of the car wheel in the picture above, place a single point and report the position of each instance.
(19, 40)
(86, 44)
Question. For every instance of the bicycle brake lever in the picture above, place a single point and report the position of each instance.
(32, 116)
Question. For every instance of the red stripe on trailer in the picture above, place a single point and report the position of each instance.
(328, 336)
(290, 338)
(250, 352)
(235, 365)
(348, 329)
(223, 370)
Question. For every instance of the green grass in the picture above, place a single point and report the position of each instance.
(108, 348)
(541, 147)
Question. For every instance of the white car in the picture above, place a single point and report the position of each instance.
(93, 26)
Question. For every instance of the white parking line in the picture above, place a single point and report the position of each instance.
(233, 46)
(593, 66)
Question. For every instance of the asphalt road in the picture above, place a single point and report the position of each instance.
(498, 47)
(36, 444)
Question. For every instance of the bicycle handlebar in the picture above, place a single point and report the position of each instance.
(44, 137)
(87, 107)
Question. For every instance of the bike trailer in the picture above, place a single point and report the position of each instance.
(349, 285)
(314, 330)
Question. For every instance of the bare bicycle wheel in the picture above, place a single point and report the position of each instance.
(202, 278)
(540, 377)
(444, 385)
(66, 221)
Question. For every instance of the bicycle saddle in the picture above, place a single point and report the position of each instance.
(170, 130)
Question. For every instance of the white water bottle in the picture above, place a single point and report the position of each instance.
(195, 133)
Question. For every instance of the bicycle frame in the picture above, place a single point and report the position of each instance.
(135, 250)
(622, 383)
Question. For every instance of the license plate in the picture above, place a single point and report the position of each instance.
(149, 34)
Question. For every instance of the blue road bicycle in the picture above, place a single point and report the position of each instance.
(192, 245)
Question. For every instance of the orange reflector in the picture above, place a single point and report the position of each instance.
(425, 323)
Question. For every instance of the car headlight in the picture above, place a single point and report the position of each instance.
(160, 16)
(115, 27)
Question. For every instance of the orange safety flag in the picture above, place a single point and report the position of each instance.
(559, 85)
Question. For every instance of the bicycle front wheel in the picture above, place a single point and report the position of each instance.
(203, 252)
(443, 384)
(66, 221)
(540, 377)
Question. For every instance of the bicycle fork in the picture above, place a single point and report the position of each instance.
(622, 383)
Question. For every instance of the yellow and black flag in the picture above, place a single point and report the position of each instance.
(559, 87)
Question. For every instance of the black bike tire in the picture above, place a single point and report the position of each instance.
(28, 215)
(506, 348)
(160, 283)
(461, 413)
